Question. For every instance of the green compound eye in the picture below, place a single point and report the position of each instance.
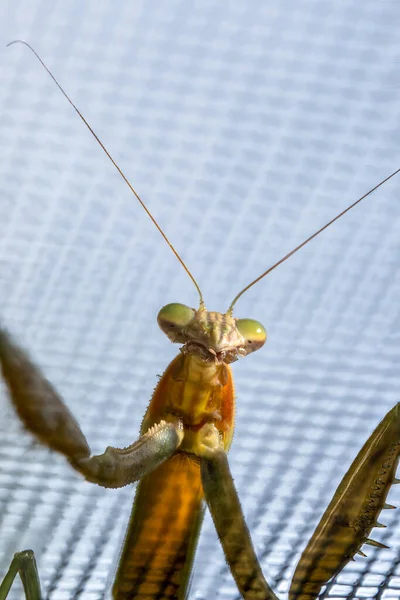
(253, 332)
(173, 317)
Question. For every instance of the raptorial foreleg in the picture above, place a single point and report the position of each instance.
(353, 511)
(223, 502)
(44, 413)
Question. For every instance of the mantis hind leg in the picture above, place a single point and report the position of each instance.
(24, 565)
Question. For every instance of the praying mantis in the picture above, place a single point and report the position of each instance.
(185, 435)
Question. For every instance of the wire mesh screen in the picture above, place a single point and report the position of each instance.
(244, 127)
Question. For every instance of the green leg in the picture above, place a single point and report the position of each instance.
(23, 563)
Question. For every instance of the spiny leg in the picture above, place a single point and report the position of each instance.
(353, 511)
(118, 467)
(24, 564)
(223, 502)
(43, 413)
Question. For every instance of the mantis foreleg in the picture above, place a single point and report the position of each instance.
(44, 413)
(224, 505)
(353, 511)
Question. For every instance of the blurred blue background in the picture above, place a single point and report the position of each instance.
(244, 127)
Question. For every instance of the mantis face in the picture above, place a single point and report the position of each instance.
(214, 336)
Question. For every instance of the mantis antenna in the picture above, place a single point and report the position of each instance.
(115, 165)
(289, 254)
(269, 270)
